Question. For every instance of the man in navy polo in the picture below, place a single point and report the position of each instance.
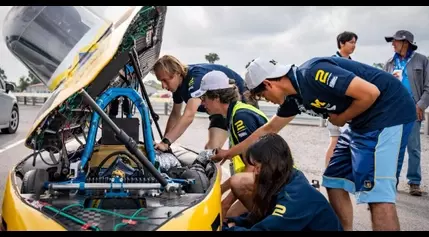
(378, 109)
(184, 82)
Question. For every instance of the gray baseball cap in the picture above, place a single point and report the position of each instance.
(402, 35)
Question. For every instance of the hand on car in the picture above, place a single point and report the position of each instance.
(221, 155)
(161, 146)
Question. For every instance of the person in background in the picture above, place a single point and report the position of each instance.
(282, 199)
(346, 43)
(127, 78)
(412, 69)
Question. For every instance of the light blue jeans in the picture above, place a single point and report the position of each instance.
(414, 151)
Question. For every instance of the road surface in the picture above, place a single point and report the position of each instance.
(308, 144)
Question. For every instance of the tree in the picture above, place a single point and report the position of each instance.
(2, 74)
(33, 79)
(378, 65)
(24, 82)
(212, 57)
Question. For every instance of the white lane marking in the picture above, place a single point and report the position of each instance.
(12, 145)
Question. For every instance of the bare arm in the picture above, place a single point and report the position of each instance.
(330, 150)
(364, 95)
(185, 120)
(273, 126)
(174, 117)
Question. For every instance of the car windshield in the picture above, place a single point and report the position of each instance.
(48, 38)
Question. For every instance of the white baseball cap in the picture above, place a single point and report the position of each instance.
(261, 69)
(213, 80)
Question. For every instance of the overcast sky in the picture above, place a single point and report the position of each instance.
(286, 34)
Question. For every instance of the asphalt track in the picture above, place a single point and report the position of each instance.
(308, 144)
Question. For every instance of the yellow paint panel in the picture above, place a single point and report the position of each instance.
(201, 216)
(17, 214)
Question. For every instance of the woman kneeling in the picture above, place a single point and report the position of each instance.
(278, 196)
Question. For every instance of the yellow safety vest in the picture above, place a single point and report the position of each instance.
(237, 160)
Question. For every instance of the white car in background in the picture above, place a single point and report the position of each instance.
(9, 111)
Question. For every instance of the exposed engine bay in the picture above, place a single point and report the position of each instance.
(118, 192)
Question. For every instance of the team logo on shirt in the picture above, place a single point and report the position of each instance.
(326, 78)
(323, 105)
(240, 128)
(310, 112)
(191, 84)
(279, 210)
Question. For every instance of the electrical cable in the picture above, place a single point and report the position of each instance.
(82, 222)
(73, 218)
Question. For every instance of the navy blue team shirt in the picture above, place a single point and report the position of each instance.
(322, 82)
(251, 121)
(298, 207)
(192, 81)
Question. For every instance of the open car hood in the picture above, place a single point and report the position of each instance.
(85, 62)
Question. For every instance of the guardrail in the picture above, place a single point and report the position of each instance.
(164, 105)
(32, 98)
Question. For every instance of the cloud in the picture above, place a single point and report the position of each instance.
(289, 34)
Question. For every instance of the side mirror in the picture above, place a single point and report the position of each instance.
(9, 87)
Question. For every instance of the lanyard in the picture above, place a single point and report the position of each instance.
(398, 64)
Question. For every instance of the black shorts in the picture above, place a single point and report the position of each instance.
(218, 121)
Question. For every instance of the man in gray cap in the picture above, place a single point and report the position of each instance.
(412, 69)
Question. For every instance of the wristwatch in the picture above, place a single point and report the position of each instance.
(166, 141)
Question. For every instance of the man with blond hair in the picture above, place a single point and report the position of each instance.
(184, 82)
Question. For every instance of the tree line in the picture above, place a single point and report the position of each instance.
(23, 81)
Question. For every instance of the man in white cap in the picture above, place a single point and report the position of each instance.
(380, 113)
(218, 96)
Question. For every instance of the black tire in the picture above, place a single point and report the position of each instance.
(14, 123)
(33, 182)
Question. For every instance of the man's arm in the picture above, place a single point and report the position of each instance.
(342, 82)
(174, 117)
(364, 95)
(273, 126)
(285, 113)
(185, 120)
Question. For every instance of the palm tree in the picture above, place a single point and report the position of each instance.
(212, 57)
(24, 82)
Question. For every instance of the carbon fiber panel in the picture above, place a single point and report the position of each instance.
(159, 209)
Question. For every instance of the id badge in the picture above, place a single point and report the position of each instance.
(397, 74)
